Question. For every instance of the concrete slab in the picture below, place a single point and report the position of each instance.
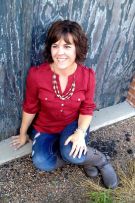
(7, 153)
(112, 114)
(101, 118)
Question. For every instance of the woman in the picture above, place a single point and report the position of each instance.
(59, 104)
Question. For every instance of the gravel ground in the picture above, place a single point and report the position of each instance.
(20, 182)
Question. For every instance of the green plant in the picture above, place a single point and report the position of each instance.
(101, 197)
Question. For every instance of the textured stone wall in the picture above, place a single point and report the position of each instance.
(110, 26)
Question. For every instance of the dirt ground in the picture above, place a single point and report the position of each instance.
(20, 182)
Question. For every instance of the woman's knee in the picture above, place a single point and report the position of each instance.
(65, 151)
(43, 164)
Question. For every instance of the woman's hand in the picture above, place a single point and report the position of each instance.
(78, 146)
(19, 140)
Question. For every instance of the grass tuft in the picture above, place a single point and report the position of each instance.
(101, 197)
(126, 190)
(124, 193)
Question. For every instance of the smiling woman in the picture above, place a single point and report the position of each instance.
(59, 103)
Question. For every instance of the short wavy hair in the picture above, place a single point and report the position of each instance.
(62, 28)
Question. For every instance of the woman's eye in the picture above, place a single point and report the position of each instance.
(54, 46)
(67, 46)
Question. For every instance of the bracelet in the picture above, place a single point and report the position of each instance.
(80, 129)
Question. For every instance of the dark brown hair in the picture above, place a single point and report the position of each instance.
(62, 29)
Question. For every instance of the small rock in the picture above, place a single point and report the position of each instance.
(128, 135)
(66, 175)
(128, 139)
(130, 151)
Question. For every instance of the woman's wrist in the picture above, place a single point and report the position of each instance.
(23, 133)
(81, 131)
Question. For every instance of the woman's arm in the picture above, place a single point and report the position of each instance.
(84, 122)
(26, 121)
(79, 145)
(19, 140)
(30, 108)
(86, 112)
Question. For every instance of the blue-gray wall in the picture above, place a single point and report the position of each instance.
(110, 26)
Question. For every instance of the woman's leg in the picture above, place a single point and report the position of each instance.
(45, 151)
(92, 158)
(65, 149)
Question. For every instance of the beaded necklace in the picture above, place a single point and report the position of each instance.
(56, 89)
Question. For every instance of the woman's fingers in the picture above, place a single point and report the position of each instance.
(15, 142)
(76, 151)
(67, 141)
(73, 149)
(18, 146)
(80, 152)
(85, 150)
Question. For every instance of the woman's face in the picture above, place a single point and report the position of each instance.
(63, 53)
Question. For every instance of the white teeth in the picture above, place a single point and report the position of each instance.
(61, 60)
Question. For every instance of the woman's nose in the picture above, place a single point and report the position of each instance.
(60, 50)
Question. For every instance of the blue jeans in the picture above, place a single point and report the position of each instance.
(49, 151)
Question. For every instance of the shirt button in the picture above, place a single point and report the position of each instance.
(61, 110)
(46, 98)
(62, 104)
(79, 99)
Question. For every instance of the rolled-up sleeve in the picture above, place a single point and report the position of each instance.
(31, 102)
(88, 105)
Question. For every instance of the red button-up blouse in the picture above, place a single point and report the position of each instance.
(52, 113)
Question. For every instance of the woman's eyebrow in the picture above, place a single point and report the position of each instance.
(70, 43)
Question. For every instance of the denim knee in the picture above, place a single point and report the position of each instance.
(40, 162)
(65, 150)
(44, 156)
